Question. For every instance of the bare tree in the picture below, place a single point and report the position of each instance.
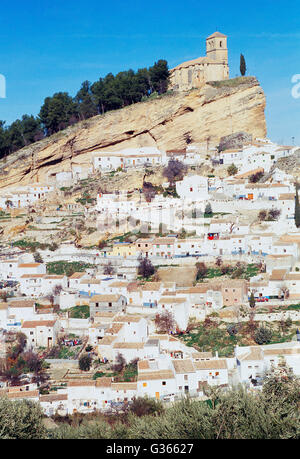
(219, 261)
(285, 291)
(120, 363)
(109, 269)
(149, 191)
(165, 322)
(145, 268)
(201, 271)
(57, 289)
(50, 298)
(175, 170)
(274, 214)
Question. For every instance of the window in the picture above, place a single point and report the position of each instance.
(144, 384)
(164, 383)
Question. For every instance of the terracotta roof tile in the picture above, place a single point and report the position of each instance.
(38, 323)
(213, 364)
(156, 375)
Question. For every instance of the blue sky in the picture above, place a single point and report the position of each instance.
(55, 45)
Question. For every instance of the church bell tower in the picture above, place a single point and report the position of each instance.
(216, 48)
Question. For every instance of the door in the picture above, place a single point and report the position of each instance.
(157, 395)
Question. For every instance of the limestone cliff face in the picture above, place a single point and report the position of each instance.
(205, 114)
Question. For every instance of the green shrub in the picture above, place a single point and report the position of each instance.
(263, 335)
(85, 362)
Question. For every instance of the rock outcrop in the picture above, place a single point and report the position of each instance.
(201, 115)
(233, 141)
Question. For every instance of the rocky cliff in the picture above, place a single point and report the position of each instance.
(200, 115)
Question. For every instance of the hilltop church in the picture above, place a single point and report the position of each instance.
(212, 67)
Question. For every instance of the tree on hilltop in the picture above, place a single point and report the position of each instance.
(56, 112)
(159, 76)
(243, 67)
(85, 100)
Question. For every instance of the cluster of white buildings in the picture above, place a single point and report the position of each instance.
(145, 157)
(24, 196)
(123, 310)
(165, 377)
(261, 153)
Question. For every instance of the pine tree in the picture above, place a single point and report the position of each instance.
(243, 67)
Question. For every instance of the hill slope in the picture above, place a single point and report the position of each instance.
(215, 110)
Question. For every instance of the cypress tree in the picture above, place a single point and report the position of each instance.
(252, 300)
(243, 67)
(297, 209)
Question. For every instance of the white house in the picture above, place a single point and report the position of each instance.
(40, 333)
(193, 188)
(55, 403)
(213, 372)
(179, 307)
(156, 378)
